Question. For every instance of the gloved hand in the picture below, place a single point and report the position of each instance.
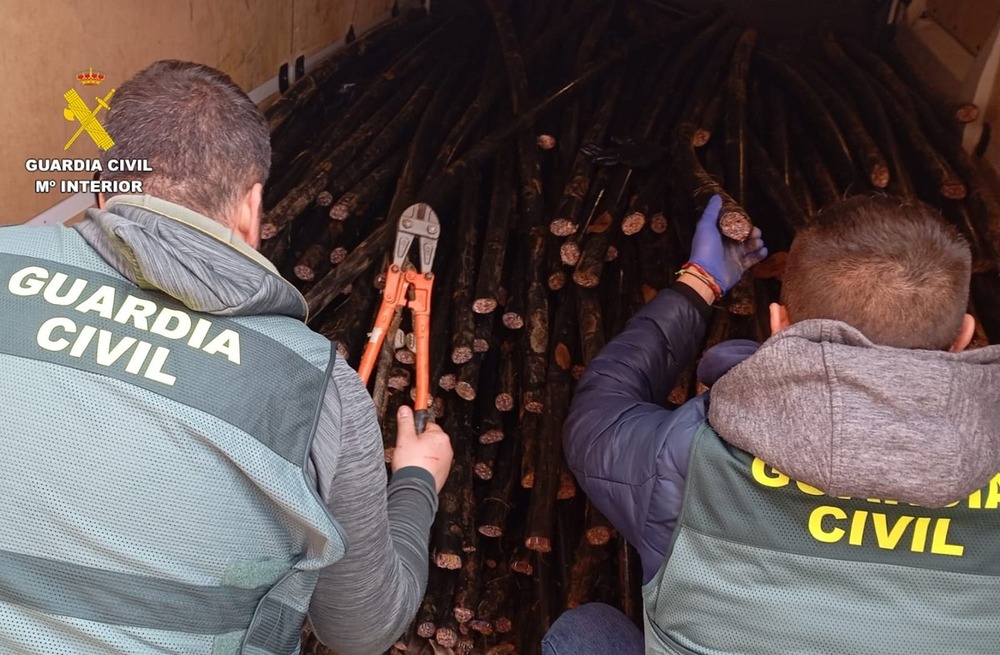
(724, 259)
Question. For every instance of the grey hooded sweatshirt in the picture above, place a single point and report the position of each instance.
(823, 404)
(363, 602)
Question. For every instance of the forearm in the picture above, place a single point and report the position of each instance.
(637, 367)
(413, 503)
(365, 601)
(643, 362)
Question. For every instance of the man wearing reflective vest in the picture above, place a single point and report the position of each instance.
(186, 467)
(836, 490)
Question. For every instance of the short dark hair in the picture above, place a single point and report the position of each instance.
(205, 140)
(890, 267)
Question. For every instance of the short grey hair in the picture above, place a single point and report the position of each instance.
(205, 140)
(890, 267)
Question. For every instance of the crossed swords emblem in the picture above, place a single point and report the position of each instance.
(78, 110)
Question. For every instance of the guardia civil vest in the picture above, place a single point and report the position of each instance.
(764, 565)
(152, 489)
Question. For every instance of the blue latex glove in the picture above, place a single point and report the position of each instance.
(724, 259)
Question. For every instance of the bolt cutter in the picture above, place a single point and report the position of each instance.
(405, 287)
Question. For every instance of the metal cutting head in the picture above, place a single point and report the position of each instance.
(419, 221)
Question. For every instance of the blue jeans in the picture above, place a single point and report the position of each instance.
(593, 629)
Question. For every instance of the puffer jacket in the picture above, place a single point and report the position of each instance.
(628, 452)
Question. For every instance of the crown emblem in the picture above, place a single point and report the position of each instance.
(90, 78)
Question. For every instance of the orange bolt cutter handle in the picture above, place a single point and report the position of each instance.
(422, 332)
(393, 296)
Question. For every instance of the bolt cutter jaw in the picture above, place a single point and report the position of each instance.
(421, 222)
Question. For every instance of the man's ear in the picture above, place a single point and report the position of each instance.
(101, 201)
(965, 334)
(246, 222)
(779, 318)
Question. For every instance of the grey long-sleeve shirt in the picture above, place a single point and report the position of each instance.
(365, 601)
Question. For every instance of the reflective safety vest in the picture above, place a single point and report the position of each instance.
(764, 565)
(153, 493)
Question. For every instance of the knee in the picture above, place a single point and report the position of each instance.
(584, 629)
(588, 615)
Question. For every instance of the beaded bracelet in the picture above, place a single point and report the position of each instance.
(700, 273)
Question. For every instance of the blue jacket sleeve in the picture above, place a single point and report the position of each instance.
(627, 451)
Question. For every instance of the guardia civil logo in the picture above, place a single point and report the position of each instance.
(88, 120)
(78, 110)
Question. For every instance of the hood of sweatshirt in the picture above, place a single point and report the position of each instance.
(201, 263)
(823, 404)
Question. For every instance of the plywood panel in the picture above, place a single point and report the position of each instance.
(48, 43)
(318, 23)
(368, 12)
(970, 22)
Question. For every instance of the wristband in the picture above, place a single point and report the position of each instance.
(700, 273)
